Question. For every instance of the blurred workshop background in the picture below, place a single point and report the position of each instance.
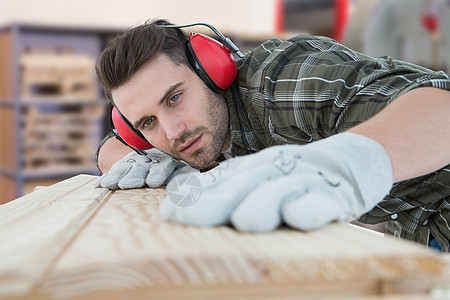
(53, 114)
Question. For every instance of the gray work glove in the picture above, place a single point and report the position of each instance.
(136, 171)
(306, 187)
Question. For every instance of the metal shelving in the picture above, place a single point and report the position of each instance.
(50, 129)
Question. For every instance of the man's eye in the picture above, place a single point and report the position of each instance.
(174, 98)
(147, 122)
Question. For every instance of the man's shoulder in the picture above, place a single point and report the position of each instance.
(279, 52)
(276, 44)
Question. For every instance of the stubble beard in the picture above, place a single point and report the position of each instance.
(218, 119)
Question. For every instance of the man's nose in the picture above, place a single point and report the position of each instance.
(173, 127)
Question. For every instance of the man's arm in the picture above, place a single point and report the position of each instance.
(111, 152)
(335, 179)
(414, 130)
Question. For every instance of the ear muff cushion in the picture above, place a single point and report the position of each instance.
(215, 59)
(128, 134)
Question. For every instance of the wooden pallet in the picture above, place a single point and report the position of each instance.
(74, 241)
(57, 75)
(59, 138)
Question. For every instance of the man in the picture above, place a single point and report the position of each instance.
(319, 133)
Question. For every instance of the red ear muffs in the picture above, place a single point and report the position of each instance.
(127, 132)
(212, 61)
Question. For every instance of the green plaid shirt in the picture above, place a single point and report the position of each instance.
(308, 88)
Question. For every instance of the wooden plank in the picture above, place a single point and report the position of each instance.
(239, 291)
(128, 248)
(36, 228)
(88, 244)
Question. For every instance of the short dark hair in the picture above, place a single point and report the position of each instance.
(127, 53)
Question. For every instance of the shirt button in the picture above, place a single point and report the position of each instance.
(425, 223)
(394, 216)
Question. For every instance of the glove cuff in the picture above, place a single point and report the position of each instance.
(367, 164)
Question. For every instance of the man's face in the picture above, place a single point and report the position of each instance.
(175, 111)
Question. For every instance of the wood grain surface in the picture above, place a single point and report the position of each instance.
(72, 240)
(36, 228)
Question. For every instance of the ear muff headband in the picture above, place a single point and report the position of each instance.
(226, 41)
(211, 60)
(213, 63)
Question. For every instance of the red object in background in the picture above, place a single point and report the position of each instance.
(279, 16)
(431, 22)
(430, 16)
(341, 13)
(341, 8)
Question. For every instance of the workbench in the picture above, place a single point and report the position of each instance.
(74, 241)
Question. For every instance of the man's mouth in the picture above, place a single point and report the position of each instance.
(191, 145)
